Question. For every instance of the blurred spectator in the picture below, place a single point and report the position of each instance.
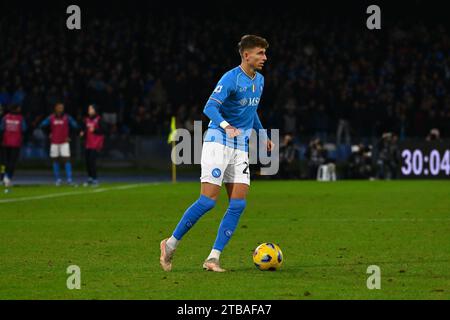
(388, 159)
(141, 122)
(343, 117)
(315, 155)
(289, 165)
(320, 78)
(110, 107)
(320, 122)
(434, 135)
(4, 97)
(360, 163)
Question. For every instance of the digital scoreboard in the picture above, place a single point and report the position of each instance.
(427, 159)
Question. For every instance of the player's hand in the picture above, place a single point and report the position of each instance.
(232, 131)
(81, 133)
(270, 145)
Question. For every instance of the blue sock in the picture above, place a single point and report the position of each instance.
(56, 170)
(192, 214)
(229, 223)
(68, 168)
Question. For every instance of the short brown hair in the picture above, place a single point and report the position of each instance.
(250, 41)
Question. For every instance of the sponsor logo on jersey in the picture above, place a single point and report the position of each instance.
(243, 101)
(252, 102)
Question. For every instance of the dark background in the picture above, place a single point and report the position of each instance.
(146, 61)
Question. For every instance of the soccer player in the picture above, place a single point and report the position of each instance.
(94, 130)
(60, 124)
(232, 110)
(12, 126)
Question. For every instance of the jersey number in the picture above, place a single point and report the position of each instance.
(246, 168)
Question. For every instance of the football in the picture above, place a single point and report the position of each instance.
(268, 256)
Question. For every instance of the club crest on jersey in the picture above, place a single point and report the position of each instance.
(216, 172)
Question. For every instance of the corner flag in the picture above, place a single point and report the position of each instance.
(173, 131)
(171, 139)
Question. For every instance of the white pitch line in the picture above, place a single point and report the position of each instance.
(63, 194)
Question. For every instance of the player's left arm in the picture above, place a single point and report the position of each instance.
(257, 125)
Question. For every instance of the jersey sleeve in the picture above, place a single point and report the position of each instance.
(224, 88)
(211, 110)
(44, 123)
(73, 124)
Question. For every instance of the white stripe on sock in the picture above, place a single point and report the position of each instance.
(172, 243)
(215, 254)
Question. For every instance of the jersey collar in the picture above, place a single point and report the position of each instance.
(251, 78)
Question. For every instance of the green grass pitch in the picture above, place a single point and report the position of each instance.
(329, 233)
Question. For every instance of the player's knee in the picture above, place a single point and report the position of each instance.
(206, 202)
(237, 206)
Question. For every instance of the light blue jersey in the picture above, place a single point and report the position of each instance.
(234, 100)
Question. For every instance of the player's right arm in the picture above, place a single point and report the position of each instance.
(223, 90)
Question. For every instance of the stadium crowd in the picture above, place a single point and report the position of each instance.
(325, 81)
(321, 79)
